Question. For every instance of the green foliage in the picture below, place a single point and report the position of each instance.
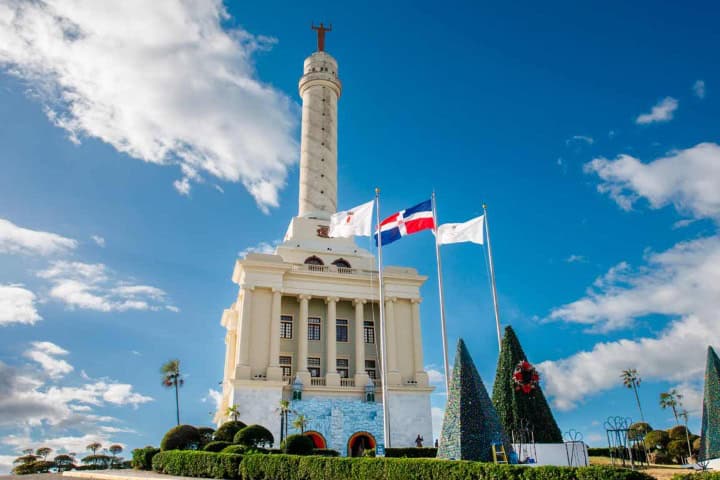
(292, 467)
(198, 464)
(216, 446)
(97, 460)
(325, 452)
(206, 435)
(411, 452)
(638, 430)
(657, 440)
(142, 457)
(226, 432)
(182, 437)
(63, 462)
(254, 436)
(661, 457)
(697, 476)
(513, 406)
(678, 450)
(30, 468)
(29, 458)
(236, 449)
(678, 432)
(298, 445)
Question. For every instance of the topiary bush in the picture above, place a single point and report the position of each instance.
(236, 449)
(254, 436)
(657, 440)
(206, 435)
(298, 445)
(325, 452)
(411, 452)
(216, 446)
(697, 476)
(638, 430)
(678, 432)
(142, 457)
(678, 450)
(226, 432)
(198, 464)
(182, 437)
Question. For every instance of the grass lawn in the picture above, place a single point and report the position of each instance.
(661, 472)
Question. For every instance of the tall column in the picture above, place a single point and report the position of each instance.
(393, 375)
(301, 369)
(332, 378)
(361, 377)
(418, 366)
(242, 364)
(274, 371)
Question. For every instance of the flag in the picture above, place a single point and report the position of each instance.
(405, 222)
(356, 221)
(470, 231)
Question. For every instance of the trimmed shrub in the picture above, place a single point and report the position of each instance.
(226, 432)
(254, 436)
(657, 439)
(142, 457)
(198, 464)
(697, 476)
(599, 452)
(638, 430)
(678, 432)
(298, 445)
(325, 452)
(206, 435)
(661, 457)
(216, 446)
(182, 437)
(236, 449)
(412, 452)
(678, 449)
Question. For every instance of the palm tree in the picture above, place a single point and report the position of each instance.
(300, 422)
(684, 415)
(173, 378)
(631, 379)
(284, 409)
(233, 412)
(671, 400)
(115, 449)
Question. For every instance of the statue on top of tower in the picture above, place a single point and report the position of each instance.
(321, 35)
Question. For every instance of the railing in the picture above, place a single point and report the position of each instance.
(317, 382)
(331, 269)
(347, 382)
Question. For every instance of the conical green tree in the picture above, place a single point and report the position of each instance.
(514, 405)
(470, 424)
(710, 435)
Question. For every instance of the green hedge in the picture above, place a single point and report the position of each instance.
(697, 476)
(142, 457)
(325, 452)
(292, 467)
(411, 452)
(189, 463)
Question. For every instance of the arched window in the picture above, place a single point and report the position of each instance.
(342, 263)
(314, 261)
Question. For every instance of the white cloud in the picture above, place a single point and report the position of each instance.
(661, 112)
(576, 259)
(214, 397)
(17, 305)
(182, 186)
(688, 179)
(95, 287)
(46, 353)
(435, 375)
(699, 88)
(262, 247)
(437, 420)
(15, 239)
(122, 394)
(99, 241)
(6, 463)
(579, 139)
(167, 85)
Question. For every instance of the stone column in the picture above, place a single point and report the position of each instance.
(242, 364)
(230, 339)
(301, 368)
(393, 375)
(274, 372)
(332, 378)
(361, 377)
(420, 375)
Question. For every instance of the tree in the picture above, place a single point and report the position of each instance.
(515, 407)
(684, 415)
(94, 447)
(115, 449)
(173, 378)
(671, 400)
(632, 380)
(43, 452)
(26, 458)
(233, 412)
(254, 436)
(226, 432)
(63, 462)
(182, 437)
(301, 422)
(284, 410)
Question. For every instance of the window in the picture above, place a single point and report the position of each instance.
(313, 328)
(286, 365)
(314, 261)
(343, 367)
(286, 326)
(369, 332)
(370, 368)
(341, 330)
(314, 366)
(342, 263)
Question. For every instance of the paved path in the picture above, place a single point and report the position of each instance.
(125, 474)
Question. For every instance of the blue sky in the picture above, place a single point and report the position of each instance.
(173, 139)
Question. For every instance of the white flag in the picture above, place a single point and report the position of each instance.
(470, 231)
(354, 222)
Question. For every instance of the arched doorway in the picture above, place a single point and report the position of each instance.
(359, 442)
(317, 438)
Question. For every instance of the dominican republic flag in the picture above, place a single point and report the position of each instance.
(405, 222)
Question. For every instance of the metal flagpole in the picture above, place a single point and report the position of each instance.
(383, 348)
(492, 279)
(446, 363)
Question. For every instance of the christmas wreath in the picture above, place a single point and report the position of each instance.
(525, 377)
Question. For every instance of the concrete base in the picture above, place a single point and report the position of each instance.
(124, 474)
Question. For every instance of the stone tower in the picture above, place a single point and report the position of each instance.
(320, 90)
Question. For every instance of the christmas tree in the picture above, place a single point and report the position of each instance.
(710, 436)
(470, 425)
(517, 396)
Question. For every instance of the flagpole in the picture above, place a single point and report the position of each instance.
(446, 363)
(383, 348)
(492, 279)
